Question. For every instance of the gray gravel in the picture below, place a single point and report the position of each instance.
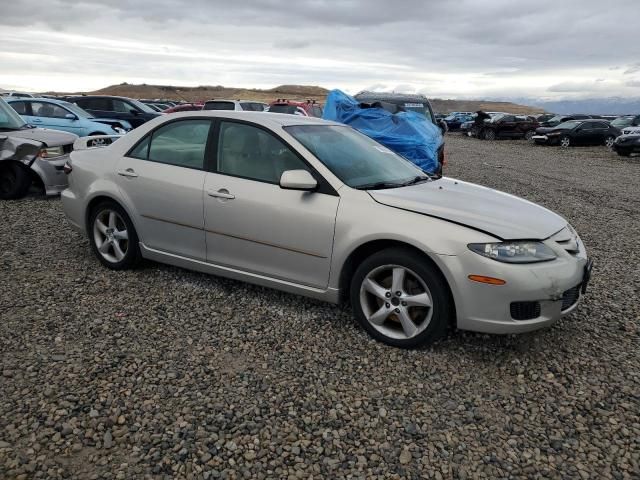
(165, 373)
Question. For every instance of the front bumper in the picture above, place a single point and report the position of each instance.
(487, 308)
(541, 139)
(51, 173)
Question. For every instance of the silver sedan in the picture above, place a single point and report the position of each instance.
(318, 209)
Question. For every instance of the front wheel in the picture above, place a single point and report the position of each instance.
(528, 136)
(112, 236)
(14, 180)
(565, 142)
(622, 153)
(400, 299)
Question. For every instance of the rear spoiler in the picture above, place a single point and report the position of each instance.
(94, 141)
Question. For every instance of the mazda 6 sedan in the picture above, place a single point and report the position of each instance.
(318, 209)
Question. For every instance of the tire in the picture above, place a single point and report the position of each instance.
(386, 316)
(113, 237)
(565, 141)
(14, 180)
(528, 136)
(489, 134)
(608, 141)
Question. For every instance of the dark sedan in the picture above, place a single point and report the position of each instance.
(625, 145)
(577, 132)
(121, 108)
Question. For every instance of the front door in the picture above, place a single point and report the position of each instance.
(50, 115)
(254, 225)
(162, 180)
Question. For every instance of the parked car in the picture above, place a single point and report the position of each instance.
(120, 108)
(408, 101)
(19, 169)
(66, 116)
(578, 132)
(455, 121)
(316, 208)
(237, 105)
(310, 107)
(627, 144)
(18, 94)
(626, 121)
(185, 107)
(558, 119)
(470, 127)
(509, 126)
(631, 130)
(544, 117)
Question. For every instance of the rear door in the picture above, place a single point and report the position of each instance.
(600, 132)
(162, 179)
(254, 225)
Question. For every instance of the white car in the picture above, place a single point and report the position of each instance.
(317, 208)
(235, 105)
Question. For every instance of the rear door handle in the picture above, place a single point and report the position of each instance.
(222, 193)
(129, 172)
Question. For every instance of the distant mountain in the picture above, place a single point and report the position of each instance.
(589, 106)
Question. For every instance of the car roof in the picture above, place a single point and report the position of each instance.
(37, 99)
(390, 95)
(261, 118)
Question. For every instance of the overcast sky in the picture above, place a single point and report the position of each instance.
(451, 49)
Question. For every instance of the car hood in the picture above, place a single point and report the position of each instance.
(51, 138)
(544, 130)
(504, 216)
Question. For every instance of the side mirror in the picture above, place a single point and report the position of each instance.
(70, 116)
(444, 128)
(298, 180)
(134, 112)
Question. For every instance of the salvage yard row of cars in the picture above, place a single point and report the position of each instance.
(307, 206)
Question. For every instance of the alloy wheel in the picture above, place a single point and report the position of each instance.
(99, 142)
(396, 302)
(565, 142)
(529, 135)
(110, 235)
(609, 142)
(489, 135)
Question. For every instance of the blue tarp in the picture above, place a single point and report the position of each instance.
(407, 133)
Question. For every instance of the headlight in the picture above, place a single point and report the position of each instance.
(514, 252)
(51, 152)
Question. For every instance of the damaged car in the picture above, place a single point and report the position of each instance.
(19, 168)
(319, 209)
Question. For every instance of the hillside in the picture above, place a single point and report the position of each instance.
(293, 92)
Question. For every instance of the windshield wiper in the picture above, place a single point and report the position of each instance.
(378, 185)
(418, 179)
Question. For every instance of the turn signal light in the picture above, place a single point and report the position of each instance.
(489, 280)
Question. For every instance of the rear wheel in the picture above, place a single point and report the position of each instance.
(14, 180)
(489, 134)
(608, 141)
(529, 135)
(98, 142)
(400, 299)
(565, 141)
(112, 236)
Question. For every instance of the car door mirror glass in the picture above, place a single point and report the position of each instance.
(70, 116)
(298, 180)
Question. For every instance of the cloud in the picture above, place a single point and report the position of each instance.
(435, 46)
(633, 69)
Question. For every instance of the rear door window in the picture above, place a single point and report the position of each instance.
(19, 107)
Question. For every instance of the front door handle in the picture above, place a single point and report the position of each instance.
(129, 172)
(222, 193)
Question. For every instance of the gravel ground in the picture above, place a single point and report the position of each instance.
(165, 373)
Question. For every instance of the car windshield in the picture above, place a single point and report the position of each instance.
(569, 125)
(142, 106)
(622, 122)
(354, 158)
(77, 110)
(9, 119)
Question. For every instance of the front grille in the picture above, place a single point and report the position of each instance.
(525, 310)
(570, 297)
